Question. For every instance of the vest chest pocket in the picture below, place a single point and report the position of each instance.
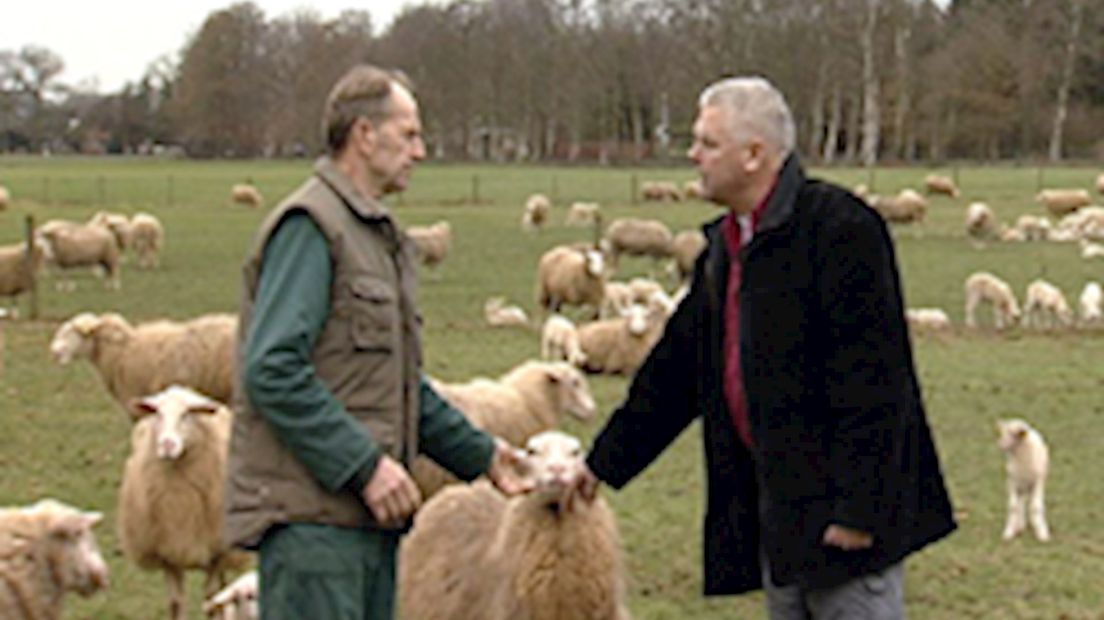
(374, 314)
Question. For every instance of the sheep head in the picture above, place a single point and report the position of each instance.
(71, 550)
(552, 461)
(72, 339)
(574, 392)
(1011, 433)
(173, 412)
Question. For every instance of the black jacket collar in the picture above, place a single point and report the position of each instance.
(780, 206)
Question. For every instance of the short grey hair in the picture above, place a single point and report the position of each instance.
(756, 108)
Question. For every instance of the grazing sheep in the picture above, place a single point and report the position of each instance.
(685, 248)
(659, 191)
(432, 242)
(906, 207)
(46, 550)
(1085, 223)
(927, 319)
(1045, 306)
(147, 237)
(986, 287)
(537, 208)
(1033, 227)
(981, 224)
(1012, 235)
(939, 184)
(530, 398)
(693, 189)
(1063, 201)
(16, 275)
(1091, 305)
(560, 341)
(170, 500)
(137, 360)
(498, 314)
(5, 198)
(636, 237)
(82, 245)
(582, 214)
(619, 345)
(1026, 462)
(237, 601)
(475, 555)
(246, 195)
(573, 276)
(117, 223)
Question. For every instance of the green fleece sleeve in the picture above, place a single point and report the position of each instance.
(446, 436)
(291, 306)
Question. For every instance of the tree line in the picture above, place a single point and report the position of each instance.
(606, 80)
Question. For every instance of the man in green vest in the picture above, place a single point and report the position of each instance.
(331, 405)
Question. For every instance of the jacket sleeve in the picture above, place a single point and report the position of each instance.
(291, 306)
(447, 437)
(866, 360)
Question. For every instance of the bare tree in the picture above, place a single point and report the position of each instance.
(1062, 106)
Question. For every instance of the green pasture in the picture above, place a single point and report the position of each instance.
(62, 436)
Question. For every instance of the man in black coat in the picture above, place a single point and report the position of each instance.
(792, 347)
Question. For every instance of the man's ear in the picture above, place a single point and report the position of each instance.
(364, 132)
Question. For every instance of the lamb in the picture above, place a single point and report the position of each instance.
(939, 184)
(1063, 201)
(619, 345)
(532, 397)
(981, 224)
(1085, 223)
(170, 501)
(433, 242)
(475, 555)
(498, 314)
(82, 245)
(693, 189)
(237, 601)
(46, 550)
(685, 248)
(537, 208)
(117, 223)
(659, 191)
(17, 276)
(1033, 227)
(582, 214)
(1026, 462)
(5, 198)
(247, 195)
(906, 207)
(560, 341)
(1091, 305)
(574, 276)
(147, 237)
(1045, 306)
(137, 360)
(984, 286)
(927, 319)
(637, 237)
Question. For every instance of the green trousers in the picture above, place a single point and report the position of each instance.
(319, 572)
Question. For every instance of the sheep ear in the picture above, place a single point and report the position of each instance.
(553, 376)
(139, 408)
(1020, 433)
(90, 519)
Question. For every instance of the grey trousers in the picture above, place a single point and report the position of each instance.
(875, 596)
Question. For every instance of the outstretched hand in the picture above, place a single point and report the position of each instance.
(391, 494)
(583, 487)
(504, 470)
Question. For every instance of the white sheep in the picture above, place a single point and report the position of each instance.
(17, 274)
(1090, 250)
(147, 238)
(573, 276)
(237, 601)
(498, 314)
(171, 497)
(560, 341)
(616, 299)
(137, 360)
(433, 242)
(636, 237)
(1085, 223)
(46, 550)
(985, 287)
(1033, 227)
(537, 208)
(685, 248)
(532, 397)
(906, 207)
(1091, 305)
(939, 184)
(246, 194)
(582, 214)
(1045, 306)
(74, 244)
(927, 319)
(475, 555)
(659, 191)
(1026, 463)
(981, 224)
(5, 198)
(619, 345)
(693, 189)
(1063, 201)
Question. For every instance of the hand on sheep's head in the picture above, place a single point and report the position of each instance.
(504, 468)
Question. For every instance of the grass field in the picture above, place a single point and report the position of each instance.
(62, 436)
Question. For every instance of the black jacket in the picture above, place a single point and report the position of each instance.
(836, 416)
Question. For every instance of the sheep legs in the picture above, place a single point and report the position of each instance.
(174, 577)
(1038, 513)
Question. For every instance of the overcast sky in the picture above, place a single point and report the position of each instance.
(113, 41)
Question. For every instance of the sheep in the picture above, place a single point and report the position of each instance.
(1085, 223)
(247, 195)
(927, 319)
(432, 242)
(906, 207)
(693, 189)
(616, 299)
(981, 224)
(1100, 183)
(1045, 306)
(81, 245)
(1063, 201)
(685, 248)
(582, 214)
(17, 275)
(560, 341)
(530, 398)
(147, 237)
(619, 345)
(137, 360)
(573, 276)
(498, 314)
(237, 601)
(642, 289)
(1026, 462)
(1033, 227)
(1091, 305)
(659, 191)
(475, 555)
(636, 237)
(984, 286)
(171, 496)
(1090, 250)
(1012, 235)
(861, 191)
(537, 207)
(939, 184)
(46, 550)
(5, 198)
(117, 223)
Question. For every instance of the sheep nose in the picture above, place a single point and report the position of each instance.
(168, 448)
